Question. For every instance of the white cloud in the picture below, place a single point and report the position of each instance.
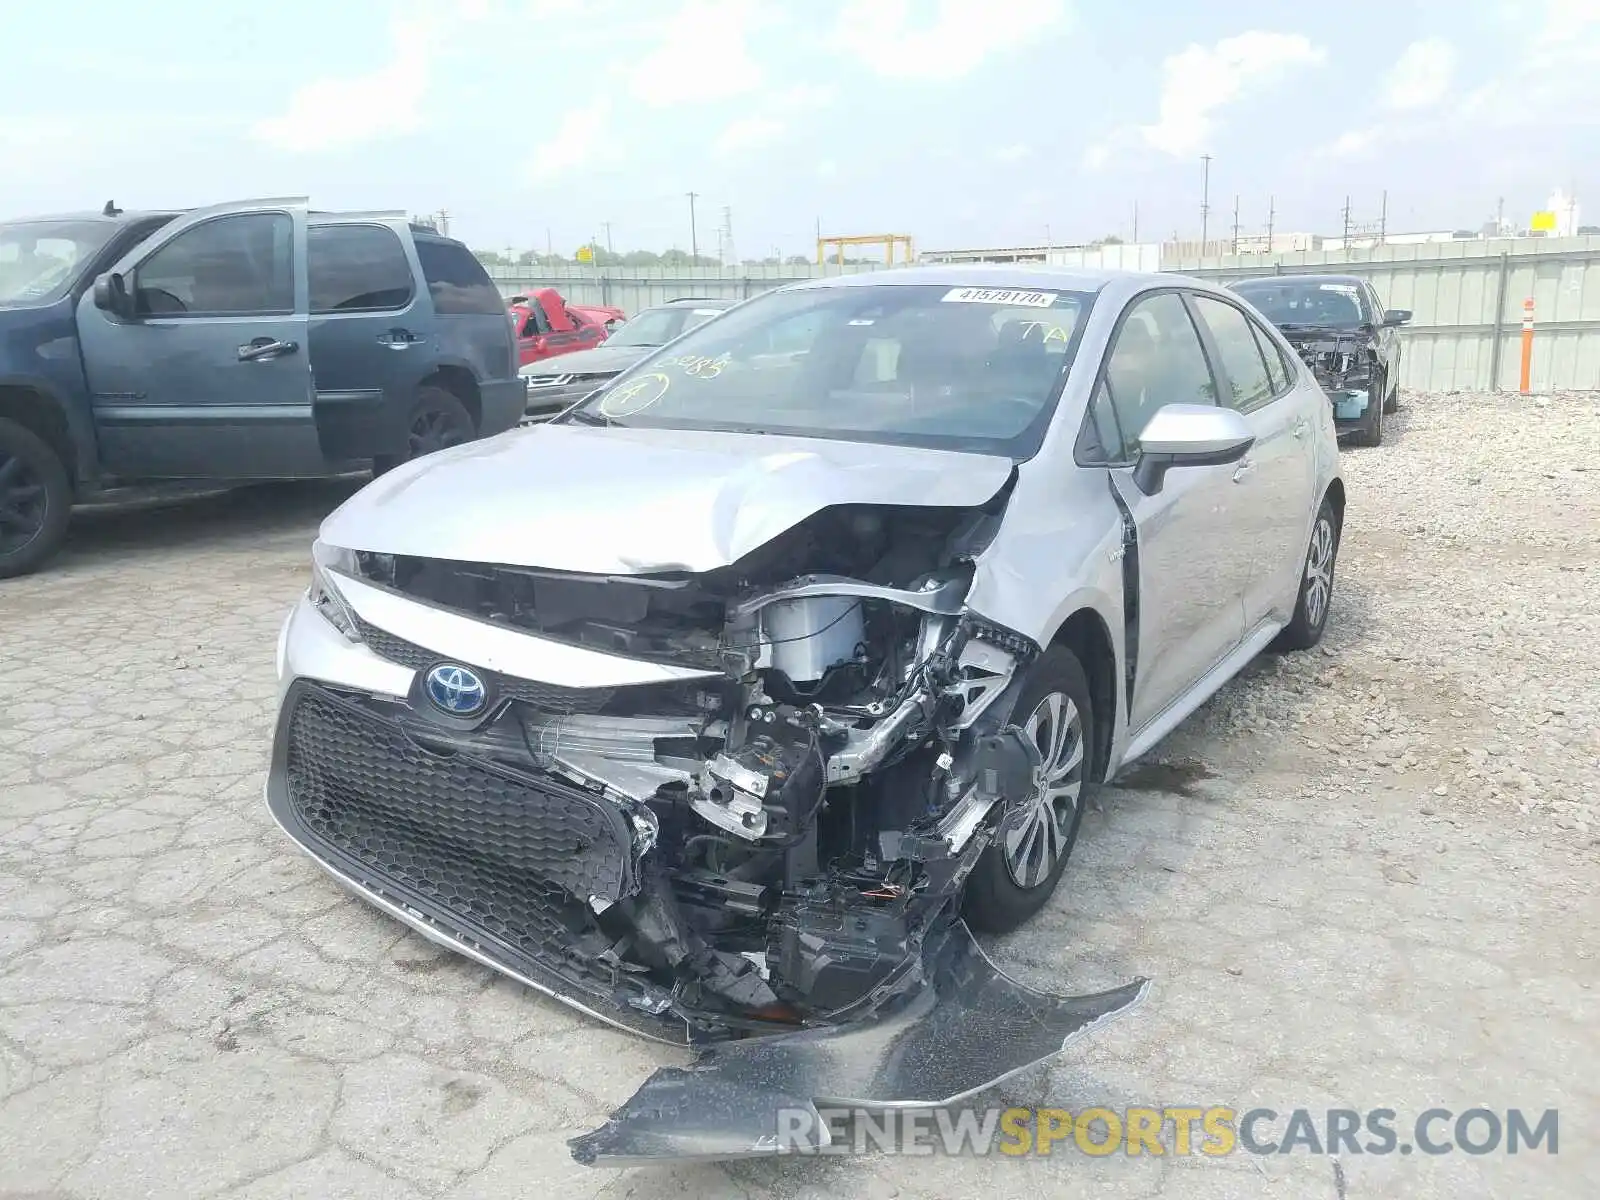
(747, 133)
(1420, 77)
(703, 55)
(1096, 155)
(827, 169)
(1013, 153)
(1353, 142)
(885, 37)
(1547, 79)
(340, 112)
(576, 141)
(1199, 80)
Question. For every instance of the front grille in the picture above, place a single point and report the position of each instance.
(484, 841)
(548, 696)
(546, 400)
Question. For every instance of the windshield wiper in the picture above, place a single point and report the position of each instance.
(584, 417)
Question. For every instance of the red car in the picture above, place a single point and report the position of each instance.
(547, 325)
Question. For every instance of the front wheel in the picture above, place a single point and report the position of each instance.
(35, 500)
(437, 421)
(1017, 873)
(1311, 606)
(1370, 432)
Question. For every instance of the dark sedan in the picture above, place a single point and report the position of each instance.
(1347, 338)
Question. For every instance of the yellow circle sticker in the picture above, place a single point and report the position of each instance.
(635, 395)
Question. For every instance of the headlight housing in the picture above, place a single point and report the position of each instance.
(327, 563)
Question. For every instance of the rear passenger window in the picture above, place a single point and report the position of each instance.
(1277, 370)
(1156, 360)
(457, 281)
(356, 268)
(1241, 356)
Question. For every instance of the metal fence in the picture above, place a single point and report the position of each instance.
(1466, 299)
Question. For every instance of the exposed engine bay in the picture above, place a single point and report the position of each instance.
(1343, 361)
(806, 811)
(774, 842)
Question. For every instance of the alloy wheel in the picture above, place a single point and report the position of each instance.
(1319, 572)
(1042, 836)
(23, 503)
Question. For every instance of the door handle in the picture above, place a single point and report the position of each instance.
(1245, 469)
(1299, 428)
(398, 339)
(265, 350)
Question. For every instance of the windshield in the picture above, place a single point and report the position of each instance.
(915, 364)
(658, 326)
(1296, 302)
(39, 260)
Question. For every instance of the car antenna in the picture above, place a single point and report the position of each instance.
(111, 209)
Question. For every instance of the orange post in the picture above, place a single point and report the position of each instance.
(1527, 343)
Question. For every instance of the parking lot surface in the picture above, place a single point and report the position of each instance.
(1362, 877)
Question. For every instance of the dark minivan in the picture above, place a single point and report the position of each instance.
(247, 341)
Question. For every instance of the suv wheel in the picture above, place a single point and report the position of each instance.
(1311, 606)
(438, 420)
(35, 500)
(1019, 871)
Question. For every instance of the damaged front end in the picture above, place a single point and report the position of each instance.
(755, 831)
(1345, 362)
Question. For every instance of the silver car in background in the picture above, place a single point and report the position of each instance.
(722, 706)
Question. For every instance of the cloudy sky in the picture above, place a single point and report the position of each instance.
(959, 122)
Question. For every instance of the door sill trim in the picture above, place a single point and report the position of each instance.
(1163, 723)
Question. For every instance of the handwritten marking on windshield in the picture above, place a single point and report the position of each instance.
(635, 395)
(700, 366)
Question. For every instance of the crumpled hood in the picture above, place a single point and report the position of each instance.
(600, 500)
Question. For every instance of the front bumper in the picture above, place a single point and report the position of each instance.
(508, 867)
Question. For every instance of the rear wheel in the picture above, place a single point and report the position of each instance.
(1018, 872)
(35, 500)
(437, 421)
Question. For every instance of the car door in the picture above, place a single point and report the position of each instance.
(1277, 477)
(1192, 563)
(371, 336)
(205, 373)
(1388, 336)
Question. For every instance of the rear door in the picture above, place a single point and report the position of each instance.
(372, 337)
(210, 377)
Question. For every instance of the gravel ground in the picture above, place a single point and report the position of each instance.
(1361, 877)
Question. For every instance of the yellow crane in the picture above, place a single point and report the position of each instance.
(887, 240)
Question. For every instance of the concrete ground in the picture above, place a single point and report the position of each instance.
(1362, 877)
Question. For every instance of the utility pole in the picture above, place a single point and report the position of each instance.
(1347, 223)
(1383, 217)
(1205, 203)
(1500, 217)
(444, 222)
(549, 244)
(607, 224)
(1272, 212)
(1135, 222)
(1236, 223)
(694, 238)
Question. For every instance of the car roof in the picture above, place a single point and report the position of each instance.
(123, 217)
(702, 301)
(1344, 279)
(998, 275)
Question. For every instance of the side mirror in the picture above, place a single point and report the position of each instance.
(1188, 435)
(111, 295)
(1396, 316)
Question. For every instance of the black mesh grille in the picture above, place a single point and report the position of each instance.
(549, 696)
(483, 841)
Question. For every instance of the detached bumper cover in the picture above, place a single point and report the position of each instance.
(966, 1027)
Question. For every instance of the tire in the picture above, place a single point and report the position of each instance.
(1016, 875)
(437, 421)
(1370, 431)
(35, 500)
(1304, 629)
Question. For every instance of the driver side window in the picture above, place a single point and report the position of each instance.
(241, 265)
(1155, 359)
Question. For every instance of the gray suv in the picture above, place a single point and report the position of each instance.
(713, 707)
